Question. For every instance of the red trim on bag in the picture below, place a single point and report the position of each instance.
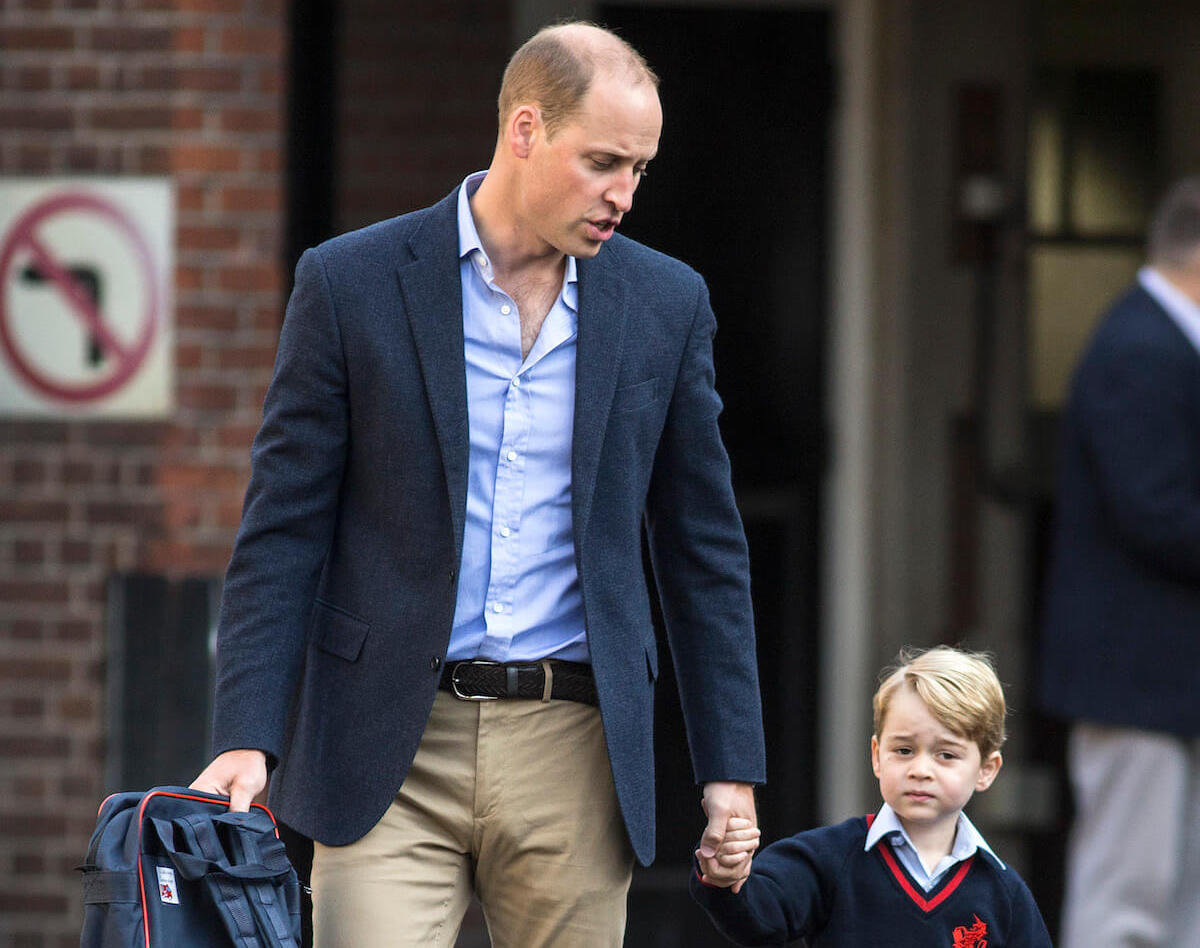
(925, 905)
(141, 815)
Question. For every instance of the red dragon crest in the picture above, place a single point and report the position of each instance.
(973, 937)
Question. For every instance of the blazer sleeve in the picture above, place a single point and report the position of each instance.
(701, 565)
(1140, 416)
(288, 521)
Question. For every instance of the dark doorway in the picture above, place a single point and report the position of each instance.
(739, 191)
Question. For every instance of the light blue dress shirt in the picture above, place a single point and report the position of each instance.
(1179, 306)
(518, 594)
(967, 840)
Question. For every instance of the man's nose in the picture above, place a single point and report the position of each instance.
(620, 193)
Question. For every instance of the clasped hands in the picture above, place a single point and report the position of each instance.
(731, 836)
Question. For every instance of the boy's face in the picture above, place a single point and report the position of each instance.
(926, 772)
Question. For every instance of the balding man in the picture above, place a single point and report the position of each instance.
(436, 627)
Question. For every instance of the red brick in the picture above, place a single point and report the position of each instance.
(206, 317)
(27, 864)
(268, 161)
(250, 278)
(83, 158)
(28, 471)
(77, 708)
(152, 159)
(25, 629)
(207, 397)
(124, 513)
(132, 118)
(82, 78)
(46, 903)
(247, 357)
(29, 552)
(131, 38)
(36, 118)
(41, 591)
(32, 432)
(125, 434)
(36, 38)
(252, 41)
(209, 158)
(75, 472)
(33, 78)
(189, 198)
(190, 39)
(33, 159)
(188, 278)
(207, 237)
(76, 552)
(33, 511)
(26, 707)
(253, 121)
(32, 745)
(266, 199)
(75, 630)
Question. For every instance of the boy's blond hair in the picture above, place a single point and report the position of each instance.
(960, 688)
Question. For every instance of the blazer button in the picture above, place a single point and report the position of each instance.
(451, 577)
(435, 663)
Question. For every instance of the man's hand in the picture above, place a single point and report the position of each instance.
(722, 802)
(237, 774)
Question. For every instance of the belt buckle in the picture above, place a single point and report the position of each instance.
(454, 681)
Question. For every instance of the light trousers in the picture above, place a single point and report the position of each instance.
(1133, 866)
(512, 800)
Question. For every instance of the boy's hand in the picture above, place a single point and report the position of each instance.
(730, 865)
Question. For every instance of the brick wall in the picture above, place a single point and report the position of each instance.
(192, 89)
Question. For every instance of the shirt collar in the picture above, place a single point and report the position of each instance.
(1179, 306)
(967, 839)
(470, 246)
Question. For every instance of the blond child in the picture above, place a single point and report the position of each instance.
(917, 872)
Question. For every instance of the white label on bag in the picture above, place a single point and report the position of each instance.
(166, 886)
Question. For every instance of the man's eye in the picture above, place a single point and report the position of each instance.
(601, 165)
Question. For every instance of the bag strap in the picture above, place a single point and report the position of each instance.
(241, 881)
(107, 885)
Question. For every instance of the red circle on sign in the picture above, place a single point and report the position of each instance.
(24, 237)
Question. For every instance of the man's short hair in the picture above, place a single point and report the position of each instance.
(960, 688)
(555, 68)
(1174, 235)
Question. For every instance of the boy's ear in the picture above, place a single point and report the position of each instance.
(875, 754)
(988, 769)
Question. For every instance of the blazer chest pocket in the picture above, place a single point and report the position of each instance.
(338, 632)
(633, 397)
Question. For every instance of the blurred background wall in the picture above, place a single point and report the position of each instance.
(909, 213)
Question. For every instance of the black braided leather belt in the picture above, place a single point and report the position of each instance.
(541, 681)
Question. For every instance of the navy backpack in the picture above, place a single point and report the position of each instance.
(173, 868)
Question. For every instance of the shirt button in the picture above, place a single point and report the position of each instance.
(497, 607)
(504, 532)
(517, 381)
(512, 455)
(506, 309)
(435, 663)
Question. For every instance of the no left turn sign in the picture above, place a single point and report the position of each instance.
(85, 327)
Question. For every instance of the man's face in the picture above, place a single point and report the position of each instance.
(580, 182)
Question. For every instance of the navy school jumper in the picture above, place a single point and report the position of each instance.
(822, 886)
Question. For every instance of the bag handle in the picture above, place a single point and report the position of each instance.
(240, 879)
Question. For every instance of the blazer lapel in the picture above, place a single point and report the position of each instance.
(432, 291)
(602, 318)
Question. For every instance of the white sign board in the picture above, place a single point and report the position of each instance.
(86, 324)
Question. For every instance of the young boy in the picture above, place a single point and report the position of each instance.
(917, 873)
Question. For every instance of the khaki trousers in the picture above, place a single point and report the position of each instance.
(1133, 868)
(511, 799)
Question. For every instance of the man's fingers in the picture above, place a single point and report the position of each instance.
(714, 835)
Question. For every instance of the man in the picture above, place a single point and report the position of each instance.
(475, 409)
(1122, 627)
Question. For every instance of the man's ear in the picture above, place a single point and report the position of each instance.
(523, 126)
(988, 769)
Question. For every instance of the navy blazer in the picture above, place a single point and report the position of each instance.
(340, 595)
(1121, 632)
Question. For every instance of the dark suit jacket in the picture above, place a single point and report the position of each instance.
(1121, 635)
(341, 592)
